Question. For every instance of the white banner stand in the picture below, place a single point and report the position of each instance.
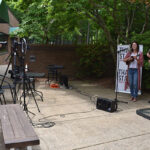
(121, 71)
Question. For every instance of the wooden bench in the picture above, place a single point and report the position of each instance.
(17, 130)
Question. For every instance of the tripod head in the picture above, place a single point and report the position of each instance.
(16, 44)
(18, 52)
(20, 45)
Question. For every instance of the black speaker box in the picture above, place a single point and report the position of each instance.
(106, 104)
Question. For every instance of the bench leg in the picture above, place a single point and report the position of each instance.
(29, 147)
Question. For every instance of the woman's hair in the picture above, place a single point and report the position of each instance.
(137, 46)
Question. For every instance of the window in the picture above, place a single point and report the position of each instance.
(3, 43)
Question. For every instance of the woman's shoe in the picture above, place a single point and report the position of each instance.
(134, 100)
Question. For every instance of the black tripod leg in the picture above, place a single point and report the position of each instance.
(48, 77)
(19, 86)
(1, 101)
(20, 99)
(35, 100)
(5, 72)
(24, 104)
(33, 96)
(15, 94)
(40, 94)
(4, 98)
(24, 93)
(27, 111)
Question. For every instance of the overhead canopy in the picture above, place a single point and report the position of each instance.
(12, 29)
(4, 17)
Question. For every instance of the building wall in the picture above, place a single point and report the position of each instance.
(4, 28)
(48, 55)
(3, 58)
(64, 55)
(12, 19)
(13, 22)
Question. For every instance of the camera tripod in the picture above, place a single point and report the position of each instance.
(12, 55)
(26, 81)
(19, 75)
(27, 90)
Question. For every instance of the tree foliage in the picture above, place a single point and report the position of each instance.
(83, 21)
(106, 22)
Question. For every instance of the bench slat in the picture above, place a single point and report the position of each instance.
(22, 118)
(17, 130)
(6, 126)
(15, 123)
(18, 143)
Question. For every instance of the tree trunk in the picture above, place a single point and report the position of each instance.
(99, 20)
(88, 33)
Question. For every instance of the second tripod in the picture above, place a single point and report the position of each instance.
(25, 81)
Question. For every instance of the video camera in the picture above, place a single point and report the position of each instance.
(21, 45)
(16, 44)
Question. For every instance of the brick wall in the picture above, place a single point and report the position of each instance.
(47, 55)
(3, 57)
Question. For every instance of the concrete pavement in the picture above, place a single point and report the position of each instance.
(80, 126)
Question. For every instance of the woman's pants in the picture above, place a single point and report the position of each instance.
(133, 81)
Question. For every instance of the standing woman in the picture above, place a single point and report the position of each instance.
(134, 60)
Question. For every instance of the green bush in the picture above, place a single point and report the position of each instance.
(93, 60)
